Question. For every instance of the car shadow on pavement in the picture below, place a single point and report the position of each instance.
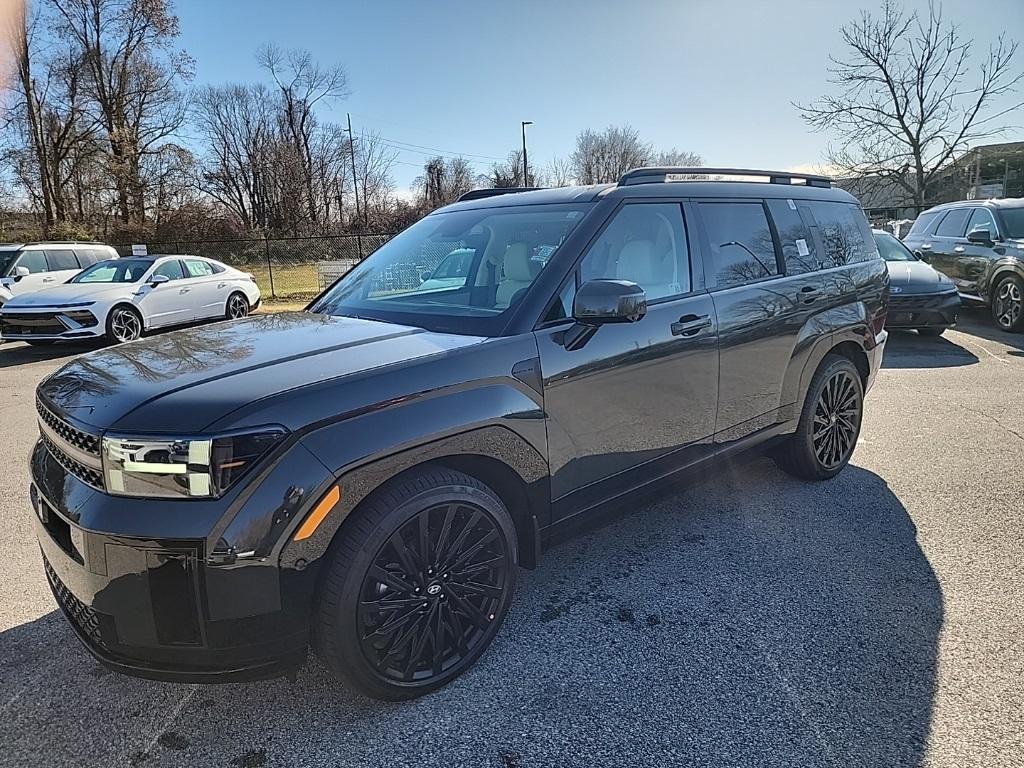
(749, 619)
(978, 322)
(14, 353)
(908, 349)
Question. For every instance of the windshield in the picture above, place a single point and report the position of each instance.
(1013, 222)
(891, 248)
(7, 259)
(458, 272)
(114, 271)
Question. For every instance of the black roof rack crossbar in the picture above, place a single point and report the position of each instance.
(480, 194)
(651, 175)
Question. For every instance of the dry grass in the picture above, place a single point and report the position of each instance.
(294, 283)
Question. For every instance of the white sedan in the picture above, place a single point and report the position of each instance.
(123, 298)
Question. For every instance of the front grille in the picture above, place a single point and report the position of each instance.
(80, 614)
(914, 303)
(31, 324)
(68, 442)
(83, 441)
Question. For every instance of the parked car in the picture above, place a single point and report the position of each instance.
(451, 272)
(979, 244)
(366, 476)
(123, 298)
(27, 267)
(920, 297)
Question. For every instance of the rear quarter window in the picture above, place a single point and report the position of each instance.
(845, 233)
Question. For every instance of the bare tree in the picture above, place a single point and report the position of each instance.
(600, 158)
(677, 158)
(509, 173)
(444, 179)
(908, 99)
(375, 162)
(559, 172)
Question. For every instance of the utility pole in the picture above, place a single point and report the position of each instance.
(355, 181)
(526, 175)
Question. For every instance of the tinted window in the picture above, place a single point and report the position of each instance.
(742, 249)
(89, 256)
(921, 224)
(1013, 222)
(645, 244)
(114, 271)
(981, 219)
(798, 250)
(561, 307)
(954, 224)
(198, 268)
(170, 268)
(61, 259)
(892, 249)
(845, 234)
(34, 261)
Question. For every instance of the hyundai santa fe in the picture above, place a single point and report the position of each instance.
(365, 477)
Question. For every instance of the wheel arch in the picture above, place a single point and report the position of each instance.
(1001, 271)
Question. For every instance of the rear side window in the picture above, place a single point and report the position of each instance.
(33, 261)
(845, 234)
(798, 250)
(59, 259)
(742, 249)
(198, 268)
(954, 224)
(923, 222)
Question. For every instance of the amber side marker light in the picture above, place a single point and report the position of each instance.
(312, 522)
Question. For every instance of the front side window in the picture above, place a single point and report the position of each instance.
(646, 244)
(33, 261)
(798, 249)
(114, 271)
(891, 249)
(845, 234)
(171, 269)
(742, 249)
(981, 219)
(954, 224)
(59, 259)
(502, 251)
(197, 268)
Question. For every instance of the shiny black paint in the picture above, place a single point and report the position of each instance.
(217, 589)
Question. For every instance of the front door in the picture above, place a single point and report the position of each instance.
(638, 399)
(973, 262)
(166, 303)
(38, 276)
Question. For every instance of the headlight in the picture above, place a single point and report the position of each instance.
(201, 467)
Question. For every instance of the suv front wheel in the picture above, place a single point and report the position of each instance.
(419, 583)
(829, 423)
(1008, 304)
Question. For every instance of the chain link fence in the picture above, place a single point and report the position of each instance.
(290, 268)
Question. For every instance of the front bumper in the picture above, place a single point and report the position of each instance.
(936, 310)
(48, 325)
(166, 607)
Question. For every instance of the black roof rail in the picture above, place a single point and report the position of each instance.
(653, 175)
(65, 242)
(480, 194)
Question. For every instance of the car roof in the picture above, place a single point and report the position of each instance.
(656, 189)
(1005, 202)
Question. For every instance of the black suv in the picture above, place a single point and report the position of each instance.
(365, 476)
(979, 245)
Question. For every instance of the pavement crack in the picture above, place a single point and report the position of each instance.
(995, 421)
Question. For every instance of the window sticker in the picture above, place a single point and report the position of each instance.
(801, 248)
(791, 204)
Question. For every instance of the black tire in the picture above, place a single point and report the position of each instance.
(384, 539)
(40, 342)
(1008, 304)
(931, 332)
(120, 320)
(822, 445)
(237, 306)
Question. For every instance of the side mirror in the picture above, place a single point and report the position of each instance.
(980, 235)
(424, 276)
(156, 280)
(609, 301)
(20, 272)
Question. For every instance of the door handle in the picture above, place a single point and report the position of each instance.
(958, 249)
(925, 247)
(221, 285)
(49, 279)
(690, 325)
(184, 290)
(808, 294)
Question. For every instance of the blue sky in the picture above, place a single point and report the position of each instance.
(712, 77)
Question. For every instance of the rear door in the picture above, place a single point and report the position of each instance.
(208, 291)
(62, 265)
(638, 400)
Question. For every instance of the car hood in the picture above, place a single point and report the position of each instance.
(917, 277)
(184, 381)
(69, 293)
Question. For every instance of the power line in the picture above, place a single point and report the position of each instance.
(443, 151)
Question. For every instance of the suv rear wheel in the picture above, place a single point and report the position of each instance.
(1008, 304)
(829, 423)
(419, 583)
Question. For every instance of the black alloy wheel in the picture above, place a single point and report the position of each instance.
(829, 425)
(420, 578)
(836, 420)
(1008, 304)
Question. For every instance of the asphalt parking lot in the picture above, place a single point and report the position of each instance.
(748, 619)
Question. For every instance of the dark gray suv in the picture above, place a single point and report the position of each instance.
(979, 245)
(365, 477)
